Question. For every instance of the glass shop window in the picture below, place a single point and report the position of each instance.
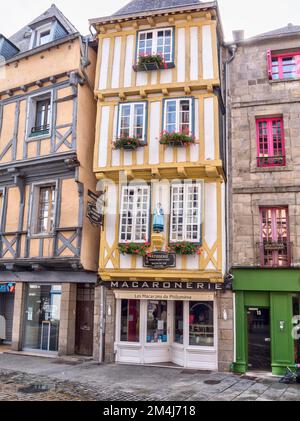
(201, 322)
(130, 321)
(157, 325)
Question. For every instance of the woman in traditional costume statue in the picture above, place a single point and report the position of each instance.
(158, 220)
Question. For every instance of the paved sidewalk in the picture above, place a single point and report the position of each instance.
(35, 378)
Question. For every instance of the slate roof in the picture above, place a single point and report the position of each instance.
(290, 29)
(22, 38)
(136, 6)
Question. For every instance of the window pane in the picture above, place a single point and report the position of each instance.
(45, 222)
(201, 321)
(44, 38)
(138, 121)
(157, 330)
(178, 334)
(184, 117)
(171, 116)
(130, 321)
(42, 119)
(42, 317)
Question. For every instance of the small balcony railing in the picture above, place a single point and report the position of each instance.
(271, 161)
(40, 130)
(275, 254)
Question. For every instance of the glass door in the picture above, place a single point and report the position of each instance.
(42, 317)
(157, 322)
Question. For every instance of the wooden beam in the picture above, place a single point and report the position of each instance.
(151, 21)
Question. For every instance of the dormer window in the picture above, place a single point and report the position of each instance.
(43, 35)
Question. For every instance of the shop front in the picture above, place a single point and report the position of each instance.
(7, 298)
(267, 320)
(54, 313)
(160, 328)
(188, 324)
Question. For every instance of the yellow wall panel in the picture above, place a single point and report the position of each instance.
(69, 204)
(8, 121)
(31, 149)
(13, 206)
(26, 207)
(45, 147)
(34, 247)
(64, 113)
(21, 130)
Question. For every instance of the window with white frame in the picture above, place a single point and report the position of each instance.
(132, 120)
(157, 41)
(186, 212)
(135, 214)
(43, 209)
(39, 115)
(178, 115)
(43, 35)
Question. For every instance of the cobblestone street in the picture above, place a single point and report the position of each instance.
(32, 378)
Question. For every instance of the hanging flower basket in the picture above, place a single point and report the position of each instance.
(185, 249)
(134, 249)
(127, 143)
(149, 62)
(178, 139)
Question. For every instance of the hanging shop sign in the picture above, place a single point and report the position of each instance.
(95, 208)
(8, 287)
(154, 285)
(160, 260)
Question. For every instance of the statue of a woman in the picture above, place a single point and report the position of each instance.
(158, 220)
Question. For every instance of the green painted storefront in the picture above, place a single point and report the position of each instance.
(273, 290)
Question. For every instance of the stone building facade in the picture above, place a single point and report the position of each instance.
(265, 197)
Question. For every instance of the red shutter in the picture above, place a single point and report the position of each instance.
(269, 60)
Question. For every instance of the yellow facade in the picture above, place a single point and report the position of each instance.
(201, 161)
(25, 158)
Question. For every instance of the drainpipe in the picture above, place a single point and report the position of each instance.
(232, 50)
(84, 61)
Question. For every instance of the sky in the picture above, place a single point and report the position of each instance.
(254, 16)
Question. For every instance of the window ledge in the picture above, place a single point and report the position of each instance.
(255, 169)
(33, 138)
(41, 236)
(296, 79)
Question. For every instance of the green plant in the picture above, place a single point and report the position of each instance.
(134, 248)
(127, 142)
(150, 58)
(176, 138)
(185, 248)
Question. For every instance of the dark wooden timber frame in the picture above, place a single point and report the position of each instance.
(41, 170)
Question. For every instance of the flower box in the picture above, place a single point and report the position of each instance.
(176, 139)
(127, 143)
(140, 249)
(185, 249)
(148, 63)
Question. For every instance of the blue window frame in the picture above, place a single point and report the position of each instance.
(132, 120)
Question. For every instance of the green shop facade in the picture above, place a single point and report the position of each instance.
(266, 306)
